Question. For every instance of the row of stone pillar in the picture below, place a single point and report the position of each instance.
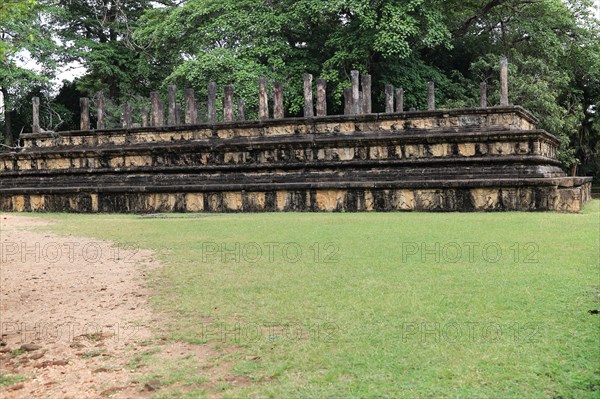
(356, 102)
(350, 101)
(157, 111)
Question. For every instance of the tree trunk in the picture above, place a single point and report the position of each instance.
(8, 135)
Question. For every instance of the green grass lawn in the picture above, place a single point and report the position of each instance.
(395, 305)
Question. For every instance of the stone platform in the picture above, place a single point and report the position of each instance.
(480, 159)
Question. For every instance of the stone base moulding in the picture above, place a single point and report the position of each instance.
(487, 199)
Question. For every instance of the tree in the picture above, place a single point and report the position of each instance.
(282, 40)
(98, 34)
(24, 34)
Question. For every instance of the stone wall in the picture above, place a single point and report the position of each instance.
(491, 159)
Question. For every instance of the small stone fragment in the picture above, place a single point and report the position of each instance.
(49, 363)
(59, 362)
(30, 347)
(101, 370)
(16, 387)
(111, 391)
(152, 385)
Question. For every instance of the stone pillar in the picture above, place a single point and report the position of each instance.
(84, 104)
(361, 103)
(172, 92)
(161, 113)
(100, 122)
(503, 81)
(366, 89)
(308, 96)
(228, 104)
(389, 99)
(212, 102)
(263, 100)
(35, 128)
(399, 100)
(177, 114)
(157, 117)
(348, 101)
(355, 92)
(321, 97)
(126, 116)
(483, 95)
(191, 112)
(278, 101)
(144, 117)
(241, 114)
(430, 96)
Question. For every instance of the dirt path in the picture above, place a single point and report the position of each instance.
(75, 322)
(81, 306)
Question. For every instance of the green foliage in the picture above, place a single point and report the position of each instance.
(24, 35)
(552, 47)
(97, 33)
(224, 67)
(235, 42)
(10, 379)
(12, 12)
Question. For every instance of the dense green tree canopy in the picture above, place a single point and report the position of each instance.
(131, 47)
(23, 35)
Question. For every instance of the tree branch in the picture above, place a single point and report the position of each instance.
(463, 29)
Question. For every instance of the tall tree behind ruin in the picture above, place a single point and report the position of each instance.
(24, 34)
(98, 34)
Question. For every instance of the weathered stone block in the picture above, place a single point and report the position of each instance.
(253, 202)
(232, 201)
(466, 149)
(345, 154)
(281, 200)
(440, 150)
(404, 200)
(485, 199)
(330, 200)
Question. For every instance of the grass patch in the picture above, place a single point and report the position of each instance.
(17, 352)
(379, 304)
(181, 375)
(91, 354)
(10, 379)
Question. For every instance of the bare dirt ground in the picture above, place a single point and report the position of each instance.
(74, 315)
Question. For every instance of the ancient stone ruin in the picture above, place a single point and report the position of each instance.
(491, 158)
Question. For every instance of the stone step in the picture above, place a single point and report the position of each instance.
(299, 176)
(475, 162)
(431, 136)
(511, 117)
